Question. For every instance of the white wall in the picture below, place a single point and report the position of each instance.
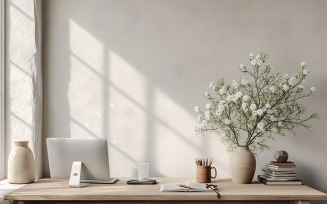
(132, 72)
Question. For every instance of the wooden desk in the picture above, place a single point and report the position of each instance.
(57, 191)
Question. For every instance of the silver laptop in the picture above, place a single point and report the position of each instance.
(93, 153)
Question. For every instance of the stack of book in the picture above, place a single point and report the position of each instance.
(279, 173)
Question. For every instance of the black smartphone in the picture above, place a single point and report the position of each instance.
(145, 182)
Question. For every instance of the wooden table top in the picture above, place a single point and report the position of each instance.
(53, 189)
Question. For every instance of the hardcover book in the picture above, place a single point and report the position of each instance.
(289, 163)
(268, 181)
(278, 168)
(282, 178)
(279, 175)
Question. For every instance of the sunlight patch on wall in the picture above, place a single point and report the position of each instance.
(128, 105)
(167, 114)
(86, 86)
(84, 44)
(21, 65)
(109, 97)
(147, 125)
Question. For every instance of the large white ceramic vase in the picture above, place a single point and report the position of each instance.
(242, 163)
(21, 165)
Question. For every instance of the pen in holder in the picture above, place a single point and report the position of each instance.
(203, 171)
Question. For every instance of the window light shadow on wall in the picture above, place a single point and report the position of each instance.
(19, 74)
(19, 10)
(123, 75)
(20, 69)
(127, 96)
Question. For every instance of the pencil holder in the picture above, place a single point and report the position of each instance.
(203, 174)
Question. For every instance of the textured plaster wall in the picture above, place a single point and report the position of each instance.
(21, 45)
(23, 82)
(132, 72)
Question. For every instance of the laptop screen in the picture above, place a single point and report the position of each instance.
(93, 153)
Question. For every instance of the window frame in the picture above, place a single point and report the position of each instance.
(2, 87)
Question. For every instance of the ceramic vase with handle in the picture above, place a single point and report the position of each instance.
(21, 165)
(242, 163)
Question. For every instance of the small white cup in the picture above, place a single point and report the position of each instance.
(143, 171)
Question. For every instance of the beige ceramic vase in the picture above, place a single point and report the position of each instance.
(21, 165)
(242, 163)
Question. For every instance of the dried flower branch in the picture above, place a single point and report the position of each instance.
(251, 111)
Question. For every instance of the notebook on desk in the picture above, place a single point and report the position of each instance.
(93, 153)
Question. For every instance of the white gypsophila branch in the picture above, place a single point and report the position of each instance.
(261, 107)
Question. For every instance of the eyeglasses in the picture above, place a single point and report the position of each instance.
(214, 188)
(211, 186)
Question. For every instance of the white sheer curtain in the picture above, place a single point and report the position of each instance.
(37, 89)
(24, 76)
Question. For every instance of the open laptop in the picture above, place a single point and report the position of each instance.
(92, 153)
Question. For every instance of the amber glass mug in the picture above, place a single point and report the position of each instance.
(203, 174)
